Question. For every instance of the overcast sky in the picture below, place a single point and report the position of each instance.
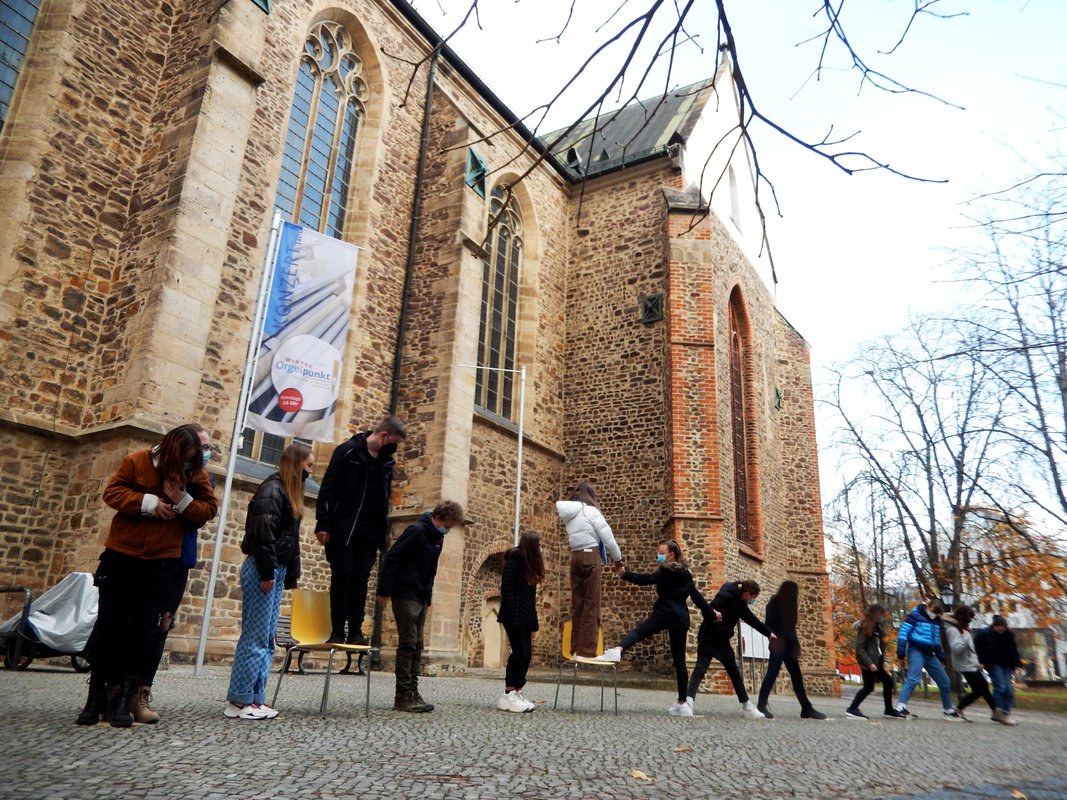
(853, 253)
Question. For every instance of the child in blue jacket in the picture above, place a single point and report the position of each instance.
(919, 639)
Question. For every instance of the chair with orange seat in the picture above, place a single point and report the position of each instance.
(310, 628)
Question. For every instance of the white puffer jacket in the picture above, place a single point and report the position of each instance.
(586, 527)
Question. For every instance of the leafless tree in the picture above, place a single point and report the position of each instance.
(926, 430)
(639, 37)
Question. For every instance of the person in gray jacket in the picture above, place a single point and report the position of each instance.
(965, 660)
(587, 533)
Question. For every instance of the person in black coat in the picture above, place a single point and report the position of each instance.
(406, 581)
(781, 618)
(999, 654)
(674, 585)
(730, 605)
(524, 568)
(352, 521)
(272, 544)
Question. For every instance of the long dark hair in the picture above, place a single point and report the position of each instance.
(584, 493)
(530, 550)
(787, 597)
(871, 618)
(964, 614)
(171, 452)
(675, 548)
(291, 468)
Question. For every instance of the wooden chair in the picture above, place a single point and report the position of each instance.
(575, 661)
(310, 628)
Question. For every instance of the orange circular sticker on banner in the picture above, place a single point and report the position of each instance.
(290, 400)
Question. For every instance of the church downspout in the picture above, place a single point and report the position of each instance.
(405, 300)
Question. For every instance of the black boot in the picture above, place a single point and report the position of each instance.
(120, 706)
(96, 703)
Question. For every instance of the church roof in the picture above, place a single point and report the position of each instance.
(637, 132)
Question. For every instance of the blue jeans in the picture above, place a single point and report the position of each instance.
(1003, 691)
(917, 662)
(255, 648)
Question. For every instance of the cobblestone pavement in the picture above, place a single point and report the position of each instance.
(467, 749)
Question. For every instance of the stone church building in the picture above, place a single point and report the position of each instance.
(144, 148)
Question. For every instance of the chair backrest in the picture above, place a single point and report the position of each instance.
(311, 616)
(567, 641)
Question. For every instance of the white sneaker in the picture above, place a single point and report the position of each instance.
(612, 655)
(691, 702)
(234, 711)
(510, 701)
(530, 704)
(750, 711)
(266, 711)
(680, 710)
(1009, 719)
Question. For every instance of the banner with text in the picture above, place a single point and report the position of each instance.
(298, 374)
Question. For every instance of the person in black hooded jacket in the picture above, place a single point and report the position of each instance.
(272, 544)
(730, 605)
(352, 521)
(674, 585)
(524, 568)
(781, 617)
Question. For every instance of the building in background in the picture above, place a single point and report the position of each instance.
(143, 152)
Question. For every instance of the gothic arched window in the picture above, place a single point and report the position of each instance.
(497, 333)
(740, 405)
(328, 104)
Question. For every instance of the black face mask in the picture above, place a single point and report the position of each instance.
(304, 474)
(190, 465)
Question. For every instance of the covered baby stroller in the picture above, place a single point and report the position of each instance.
(57, 623)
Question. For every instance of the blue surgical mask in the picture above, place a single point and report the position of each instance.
(751, 600)
(661, 557)
(442, 530)
(206, 456)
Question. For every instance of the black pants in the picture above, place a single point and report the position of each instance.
(979, 689)
(350, 569)
(725, 654)
(521, 640)
(133, 598)
(868, 686)
(659, 621)
(179, 577)
(410, 618)
(774, 666)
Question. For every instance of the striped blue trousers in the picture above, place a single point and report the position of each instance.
(255, 648)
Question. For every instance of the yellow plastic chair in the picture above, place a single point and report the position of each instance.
(569, 658)
(310, 629)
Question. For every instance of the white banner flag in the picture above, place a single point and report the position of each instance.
(298, 374)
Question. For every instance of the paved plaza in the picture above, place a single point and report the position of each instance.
(467, 749)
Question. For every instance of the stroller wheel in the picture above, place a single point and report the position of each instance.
(25, 655)
(80, 663)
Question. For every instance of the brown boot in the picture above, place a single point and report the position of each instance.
(140, 708)
(408, 702)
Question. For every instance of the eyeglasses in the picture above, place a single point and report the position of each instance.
(206, 448)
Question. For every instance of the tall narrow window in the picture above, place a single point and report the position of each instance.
(319, 155)
(500, 306)
(328, 105)
(746, 533)
(16, 25)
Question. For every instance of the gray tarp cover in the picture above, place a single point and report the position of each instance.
(63, 617)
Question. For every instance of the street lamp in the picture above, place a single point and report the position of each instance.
(948, 597)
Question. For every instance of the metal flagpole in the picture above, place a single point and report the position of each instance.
(522, 409)
(270, 260)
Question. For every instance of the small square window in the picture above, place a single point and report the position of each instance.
(651, 308)
(477, 170)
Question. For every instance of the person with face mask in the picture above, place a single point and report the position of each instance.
(919, 639)
(272, 546)
(406, 582)
(730, 604)
(156, 493)
(674, 585)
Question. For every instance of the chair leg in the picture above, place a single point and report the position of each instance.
(326, 688)
(601, 691)
(559, 679)
(366, 704)
(300, 664)
(574, 681)
(281, 674)
(615, 686)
